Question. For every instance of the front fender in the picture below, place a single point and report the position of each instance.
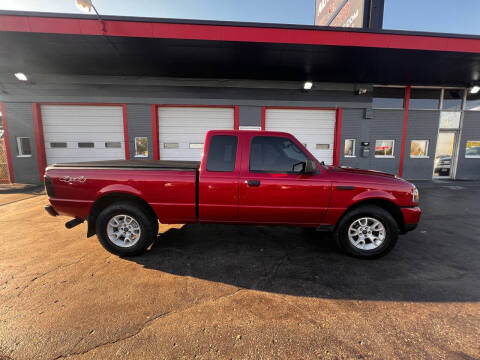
(373, 195)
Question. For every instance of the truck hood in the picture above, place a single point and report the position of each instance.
(352, 171)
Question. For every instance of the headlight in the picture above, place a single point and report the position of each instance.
(416, 195)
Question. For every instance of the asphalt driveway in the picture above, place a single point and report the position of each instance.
(242, 292)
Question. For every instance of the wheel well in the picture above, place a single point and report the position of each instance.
(106, 200)
(387, 205)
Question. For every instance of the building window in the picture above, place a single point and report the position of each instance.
(320, 146)
(113, 144)
(86, 145)
(196, 145)
(473, 149)
(388, 98)
(349, 150)
(473, 102)
(425, 99)
(419, 148)
(450, 119)
(23, 147)
(141, 147)
(452, 99)
(222, 153)
(58, 144)
(384, 148)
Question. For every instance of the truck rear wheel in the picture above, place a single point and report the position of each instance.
(126, 229)
(367, 232)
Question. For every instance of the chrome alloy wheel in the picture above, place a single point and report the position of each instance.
(366, 233)
(123, 230)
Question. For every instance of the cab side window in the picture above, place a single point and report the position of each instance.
(222, 153)
(274, 154)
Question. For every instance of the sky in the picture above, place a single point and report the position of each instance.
(460, 16)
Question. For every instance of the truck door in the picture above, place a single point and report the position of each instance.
(271, 192)
(218, 179)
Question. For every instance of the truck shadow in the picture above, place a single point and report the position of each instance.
(304, 263)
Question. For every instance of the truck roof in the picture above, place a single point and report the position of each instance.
(257, 132)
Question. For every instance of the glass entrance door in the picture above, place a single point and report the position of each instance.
(444, 155)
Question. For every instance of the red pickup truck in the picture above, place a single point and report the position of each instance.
(244, 177)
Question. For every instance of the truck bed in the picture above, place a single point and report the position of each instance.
(133, 164)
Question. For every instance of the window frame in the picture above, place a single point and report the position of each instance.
(20, 153)
(374, 107)
(136, 148)
(169, 145)
(385, 156)
(113, 142)
(445, 112)
(419, 88)
(471, 156)
(353, 147)
(426, 149)
(85, 142)
(471, 98)
(462, 100)
(274, 172)
(58, 142)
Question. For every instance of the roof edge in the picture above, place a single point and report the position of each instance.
(235, 23)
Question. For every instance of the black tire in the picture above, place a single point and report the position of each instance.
(391, 231)
(147, 222)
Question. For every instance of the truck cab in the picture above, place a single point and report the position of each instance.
(261, 178)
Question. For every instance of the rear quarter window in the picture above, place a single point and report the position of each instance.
(222, 153)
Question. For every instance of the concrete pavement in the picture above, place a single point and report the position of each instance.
(235, 292)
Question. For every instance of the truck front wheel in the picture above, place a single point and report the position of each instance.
(367, 232)
(125, 228)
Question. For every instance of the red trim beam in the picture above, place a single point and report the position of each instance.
(338, 137)
(124, 28)
(39, 139)
(406, 105)
(155, 140)
(125, 131)
(7, 144)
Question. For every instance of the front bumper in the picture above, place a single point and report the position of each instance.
(411, 217)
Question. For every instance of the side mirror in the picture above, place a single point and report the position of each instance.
(299, 167)
(310, 167)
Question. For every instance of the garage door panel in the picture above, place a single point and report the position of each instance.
(82, 126)
(179, 127)
(73, 124)
(70, 146)
(77, 154)
(82, 111)
(80, 130)
(314, 128)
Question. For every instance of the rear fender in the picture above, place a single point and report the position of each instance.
(113, 190)
(118, 188)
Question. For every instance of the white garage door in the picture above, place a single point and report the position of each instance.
(313, 128)
(82, 133)
(182, 129)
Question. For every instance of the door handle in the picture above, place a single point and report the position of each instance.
(253, 182)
